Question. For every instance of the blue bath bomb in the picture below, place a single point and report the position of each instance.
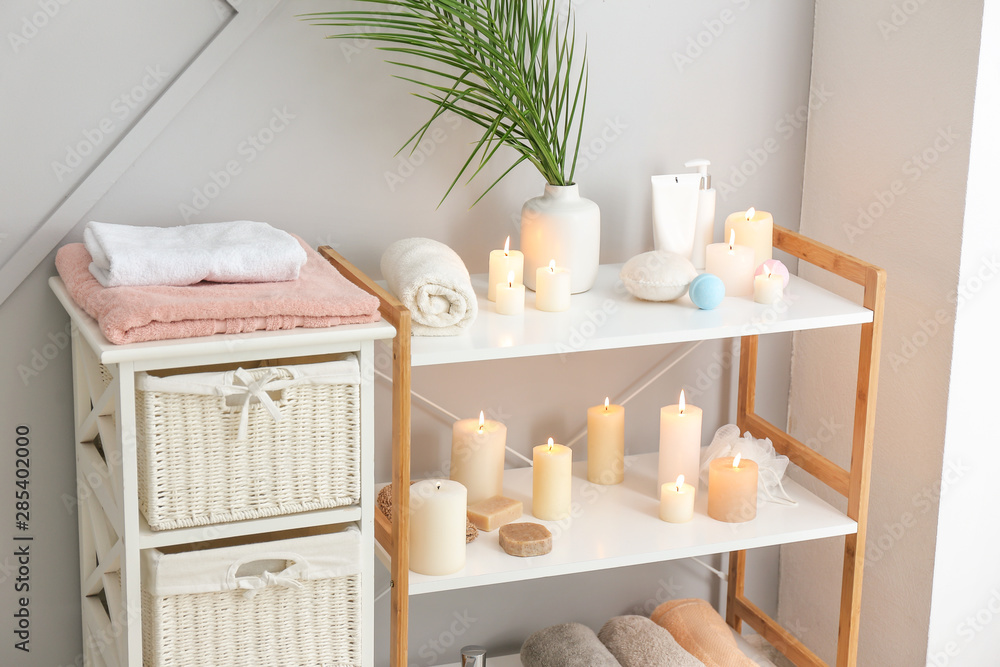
(706, 291)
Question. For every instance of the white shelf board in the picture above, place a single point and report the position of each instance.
(305, 341)
(619, 525)
(149, 538)
(608, 317)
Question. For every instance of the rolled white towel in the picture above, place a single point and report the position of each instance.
(432, 281)
(223, 252)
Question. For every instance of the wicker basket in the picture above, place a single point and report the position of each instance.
(288, 602)
(244, 444)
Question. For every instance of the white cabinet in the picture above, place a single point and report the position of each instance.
(113, 532)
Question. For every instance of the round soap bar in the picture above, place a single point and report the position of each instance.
(525, 539)
(658, 275)
(706, 291)
(775, 267)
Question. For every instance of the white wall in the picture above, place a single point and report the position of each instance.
(658, 98)
(885, 179)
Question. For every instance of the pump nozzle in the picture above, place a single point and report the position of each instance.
(701, 165)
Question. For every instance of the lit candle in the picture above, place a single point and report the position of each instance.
(552, 288)
(606, 443)
(677, 501)
(477, 454)
(732, 489)
(503, 262)
(510, 296)
(437, 526)
(754, 229)
(680, 442)
(551, 481)
(767, 287)
(733, 264)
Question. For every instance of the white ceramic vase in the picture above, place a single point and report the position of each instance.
(563, 226)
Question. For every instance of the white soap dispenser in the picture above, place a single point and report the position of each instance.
(704, 228)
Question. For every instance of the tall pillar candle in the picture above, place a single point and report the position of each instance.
(437, 526)
(754, 229)
(477, 455)
(552, 288)
(732, 489)
(551, 481)
(606, 443)
(680, 442)
(733, 264)
(503, 262)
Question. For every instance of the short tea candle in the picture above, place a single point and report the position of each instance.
(503, 262)
(552, 288)
(677, 501)
(510, 296)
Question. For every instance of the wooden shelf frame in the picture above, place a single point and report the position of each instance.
(853, 483)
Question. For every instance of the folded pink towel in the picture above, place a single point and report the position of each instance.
(321, 297)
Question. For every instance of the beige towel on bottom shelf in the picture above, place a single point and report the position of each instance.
(702, 632)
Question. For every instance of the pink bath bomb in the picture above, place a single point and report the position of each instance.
(775, 267)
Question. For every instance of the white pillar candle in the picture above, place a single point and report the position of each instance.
(732, 489)
(477, 454)
(437, 526)
(503, 262)
(606, 443)
(754, 229)
(768, 287)
(552, 288)
(677, 501)
(733, 264)
(680, 442)
(510, 296)
(551, 481)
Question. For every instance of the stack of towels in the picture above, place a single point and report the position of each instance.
(156, 283)
(680, 633)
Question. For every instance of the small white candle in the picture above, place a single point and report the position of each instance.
(680, 442)
(677, 501)
(733, 264)
(551, 481)
(768, 287)
(437, 526)
(606, 443)
(754, 229)
(510, 296)
(477, 455)
(552, 288)
(503, 262)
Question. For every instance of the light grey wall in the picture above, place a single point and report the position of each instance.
(726, 79)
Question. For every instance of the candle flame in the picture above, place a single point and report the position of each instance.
(750, 213)
(482, 421)
(732, 239)
(680, 482)
(551, 443)
(607, 402)
(767, 271)
(438, 486)
(552, 266)
(506, 247)
(736, 461)
(680, 403)
(510, 279)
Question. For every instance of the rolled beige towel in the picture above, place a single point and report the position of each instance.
(702, 632)
(636, 641)
(566, 645)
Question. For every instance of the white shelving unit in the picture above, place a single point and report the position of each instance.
(621, 526)
(112, 529)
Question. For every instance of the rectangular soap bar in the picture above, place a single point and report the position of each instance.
(494, 512)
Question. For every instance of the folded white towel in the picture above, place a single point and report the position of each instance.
(221, 252)
(432, 281)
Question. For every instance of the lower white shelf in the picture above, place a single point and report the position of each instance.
(619, 525)
(162, 538)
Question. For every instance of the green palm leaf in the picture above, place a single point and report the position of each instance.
(507, 66)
